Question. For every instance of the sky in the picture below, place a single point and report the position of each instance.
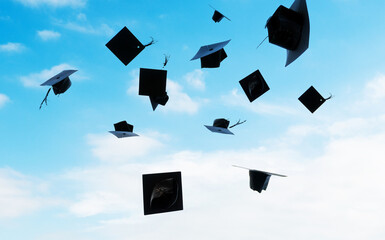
(64, 176)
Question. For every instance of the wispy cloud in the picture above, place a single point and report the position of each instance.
(35, 79)
(82, 26)
(3, 100)
(53, 3)
(196, 79)
(12, 47)
(46, 35)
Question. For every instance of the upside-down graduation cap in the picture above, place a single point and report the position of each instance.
(312, 99)
(290, 29)
(217, 16)
(123, 129)
(254, 85)
(212, 55)
(162, 192)
(221, 125)
(126, 46)
(259, 179)
(60, 83)
(152, 83)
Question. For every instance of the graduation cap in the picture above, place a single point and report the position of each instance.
(221, 125)
(123, 129)
(217, 16)
(126, 46)
(152, 83)
(259, 179)
(60, 83)
(162, 192)
(312, 99)
(290, 29)
(254, 85)
(212, 55)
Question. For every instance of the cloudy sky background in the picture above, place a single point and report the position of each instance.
(63, 176)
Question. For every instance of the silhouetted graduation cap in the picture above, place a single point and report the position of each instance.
(312, 99)
(254, 85)
(212, 55)
(259, 179)
(290, 29)
(162, 192)
(220, 125)
(126, 46)
(217, 16)
(60, 83)
(152, 83)
(123, 129)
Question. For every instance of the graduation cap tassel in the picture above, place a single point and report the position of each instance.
(262, 41)
(166, 58)
(238, 123)
(45, 99)
(150, 43)
(331, 96)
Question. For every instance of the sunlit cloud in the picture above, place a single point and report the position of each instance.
(12, 47)
(46, 35)
(53, 3)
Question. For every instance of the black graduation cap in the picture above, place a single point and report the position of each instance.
(212, 55)
(217, 16)
(126, 46)
(259, 179)
(152, 83)
(254, 85)
(123, 129)
(162, 192)
(290, 29)
(60, 83)
(221, 125)
(312, 99)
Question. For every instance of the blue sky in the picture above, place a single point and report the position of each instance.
(63, 176)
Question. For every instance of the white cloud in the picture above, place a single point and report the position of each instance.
(35, 79)
(82, 26)
(375, 89)
(46, 35)
(196, 79)
(235, 99)
(3, 100)
(12, 47)
(53, 3)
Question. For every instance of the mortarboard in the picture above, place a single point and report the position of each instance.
(126, 46)
(290, 29)
(123, 129)
(312, 99)
(221, 125)
(254, 85)
(217, 16)
(212, 55)
(162, 192)
(259, 179)
(60, 83)
(152, 83)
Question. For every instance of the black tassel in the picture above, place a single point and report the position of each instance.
(166, 58)
(150, 43)
(45, 99)
(262, 41)
(331, 96)
(238, 123)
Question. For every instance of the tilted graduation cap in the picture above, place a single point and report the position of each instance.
(254, 85)
(290, 29)
(123, 129)
(60, 83)
(212, 55)
(221, 125)
(312, 99)
(126, 46)
(259, 179)
(162, 192)
(152, 83)
(217, 16)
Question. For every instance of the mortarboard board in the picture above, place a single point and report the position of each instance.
(152, 83)
(254, 85)
(312, 99)
(290, 29)
(60, 83)
(162, 192)
(212, 55)
(126, 46)
(217, 16)
(259, 179)
(123, 129)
